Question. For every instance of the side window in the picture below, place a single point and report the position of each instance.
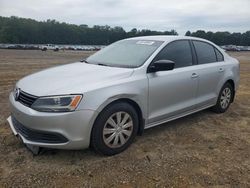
(177, 51)
(219, 55)
(205, 52)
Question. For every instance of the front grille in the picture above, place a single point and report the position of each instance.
(38, 136)
(26, 99)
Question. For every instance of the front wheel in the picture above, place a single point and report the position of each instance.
(224, 99)
(115, 129)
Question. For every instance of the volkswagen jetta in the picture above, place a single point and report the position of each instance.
(116, 93)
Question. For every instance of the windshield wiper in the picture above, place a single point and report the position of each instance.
(109, 65)
(116, 65)
(84, 61)
(102, 64)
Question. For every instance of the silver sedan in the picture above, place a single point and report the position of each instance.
(113, 95)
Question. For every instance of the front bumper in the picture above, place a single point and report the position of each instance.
(75, 126)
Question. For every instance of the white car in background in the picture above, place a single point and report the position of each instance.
(50, 47)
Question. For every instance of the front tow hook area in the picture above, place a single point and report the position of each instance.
(36, 150)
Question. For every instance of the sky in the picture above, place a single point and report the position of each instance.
(161, 15)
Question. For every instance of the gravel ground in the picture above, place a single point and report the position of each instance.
(200, 150)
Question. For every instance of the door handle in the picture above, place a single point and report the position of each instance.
(194, 75)
(221, 70)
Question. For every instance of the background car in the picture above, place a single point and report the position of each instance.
(50, 47)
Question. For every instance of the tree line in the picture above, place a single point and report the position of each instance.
(223, 38)
(28, 31)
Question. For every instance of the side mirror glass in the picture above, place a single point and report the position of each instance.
(161, 65)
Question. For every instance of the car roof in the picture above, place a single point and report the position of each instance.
(170, 38)
(165, 38)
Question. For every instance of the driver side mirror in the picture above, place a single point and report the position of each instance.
(161, 65)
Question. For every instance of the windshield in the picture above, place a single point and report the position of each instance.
(125, 53)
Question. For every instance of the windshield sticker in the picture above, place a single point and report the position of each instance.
(145, 42)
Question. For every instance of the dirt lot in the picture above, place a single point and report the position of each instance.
(204, 149)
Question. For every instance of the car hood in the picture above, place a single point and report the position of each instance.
(71, 79)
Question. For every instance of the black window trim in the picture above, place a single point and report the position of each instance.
(194, 60)
(216, 54)
(194, 54)
(192, 41)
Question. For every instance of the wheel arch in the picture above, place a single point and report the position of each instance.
(134, 104)
(231, 82)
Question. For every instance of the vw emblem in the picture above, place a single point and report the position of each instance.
(16, 93)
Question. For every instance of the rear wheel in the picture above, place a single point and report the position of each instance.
(225, 98)
(115, 129)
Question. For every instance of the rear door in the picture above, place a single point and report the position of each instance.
(210, 69)
(173, 92)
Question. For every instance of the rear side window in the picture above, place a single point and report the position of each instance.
(177, 51)
(205, 52)
(219, 55)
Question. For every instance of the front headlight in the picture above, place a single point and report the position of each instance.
(65, 103)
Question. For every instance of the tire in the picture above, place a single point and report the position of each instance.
(108, 136)
(226, 94)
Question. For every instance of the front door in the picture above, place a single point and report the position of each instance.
(173, 92)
